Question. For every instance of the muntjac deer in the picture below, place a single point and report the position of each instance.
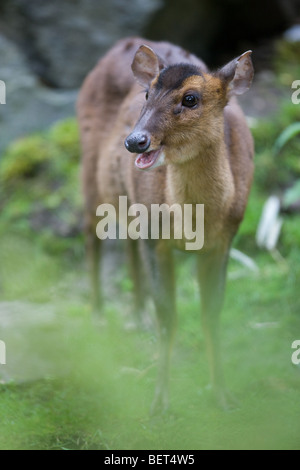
(186, 129)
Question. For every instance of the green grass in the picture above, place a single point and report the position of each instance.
(100, 388)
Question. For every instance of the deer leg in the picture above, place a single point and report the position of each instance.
(136, 274)
(212, 268)
(159, 264)
(93, 253)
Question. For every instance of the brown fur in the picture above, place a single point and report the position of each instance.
(208, 160)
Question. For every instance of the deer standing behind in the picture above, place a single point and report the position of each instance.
(185, 127)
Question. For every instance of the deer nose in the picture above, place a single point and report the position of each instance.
(138, 142)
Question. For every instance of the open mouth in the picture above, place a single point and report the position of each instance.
(148, 160)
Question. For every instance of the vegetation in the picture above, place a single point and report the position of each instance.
(39, 187)
(71, 384)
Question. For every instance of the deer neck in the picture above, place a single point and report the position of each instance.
(205, 179)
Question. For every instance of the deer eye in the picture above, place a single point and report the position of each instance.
(147, 95)
(189, 101)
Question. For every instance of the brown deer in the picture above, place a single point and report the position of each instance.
(185, 127)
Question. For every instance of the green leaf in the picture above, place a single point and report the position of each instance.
(292, 195)
(289, 133)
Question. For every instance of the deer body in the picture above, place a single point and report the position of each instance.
(192, 146)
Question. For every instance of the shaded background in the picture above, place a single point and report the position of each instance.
(47, 48)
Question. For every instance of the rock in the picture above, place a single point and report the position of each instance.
(47, 50)
(30, 106)
(64, 40)
(293, 34)
(21, 324)
(217, 30)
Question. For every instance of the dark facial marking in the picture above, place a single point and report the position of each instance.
(173, 76)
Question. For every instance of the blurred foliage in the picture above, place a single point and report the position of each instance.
(277, 138)
(277, 143)
(289, 133)
(39, 185)
(276, 172)
(287, 61)
(53, 153)
(292, 195)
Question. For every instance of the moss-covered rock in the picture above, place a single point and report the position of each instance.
(39, 183)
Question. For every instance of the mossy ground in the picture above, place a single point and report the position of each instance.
(102, 380)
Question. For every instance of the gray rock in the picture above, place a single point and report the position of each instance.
(30, 106)
(21, 323)
(293, 34)
(48, 49)
(64, 39)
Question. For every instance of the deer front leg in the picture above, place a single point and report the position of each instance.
(137, 275)
(212, 270)
(93, 254)
(159, 265)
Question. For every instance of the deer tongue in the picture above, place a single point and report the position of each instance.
(146, 160)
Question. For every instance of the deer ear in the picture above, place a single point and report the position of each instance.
(146, 65)
(238, 74)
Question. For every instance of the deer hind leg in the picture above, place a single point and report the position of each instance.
(212, 268)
